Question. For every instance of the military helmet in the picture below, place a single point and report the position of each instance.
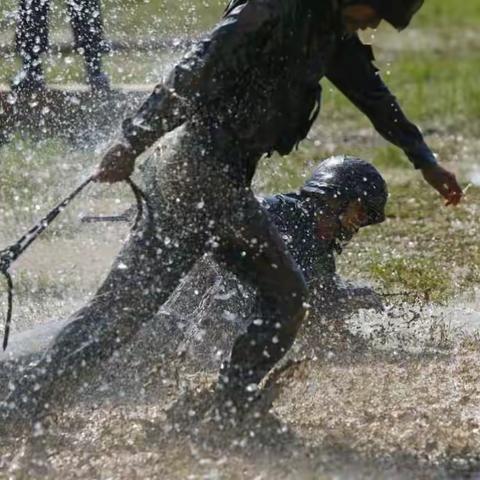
(398, 13)
(350, 179)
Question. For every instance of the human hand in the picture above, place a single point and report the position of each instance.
(117, 164)
(444, 182)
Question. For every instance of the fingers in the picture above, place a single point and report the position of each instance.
(117, 164)
(454, 194)
(101, 176)
(97, 176)
(443, 189)
(445, 183)
(105, 175)
(453, 199)
(108, 173)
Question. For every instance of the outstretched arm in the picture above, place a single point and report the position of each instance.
(195, 83)
(354, 74)
(340, 299)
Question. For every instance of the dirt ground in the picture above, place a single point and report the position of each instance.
(398, 401)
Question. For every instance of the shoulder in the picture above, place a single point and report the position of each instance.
(250, 14)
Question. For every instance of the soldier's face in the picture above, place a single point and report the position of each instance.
(360, 17)
(341, 228)
(353, 219)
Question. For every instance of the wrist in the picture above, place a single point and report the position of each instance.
(430, 168)
(130, 135)
(422, 157)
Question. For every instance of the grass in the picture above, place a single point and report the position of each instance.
(432, 68)
(445, 14)
(422, 248)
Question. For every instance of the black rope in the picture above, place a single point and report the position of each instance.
(8, 321)
(141, 198)
(11, 253)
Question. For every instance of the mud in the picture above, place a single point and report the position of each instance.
(397, 397)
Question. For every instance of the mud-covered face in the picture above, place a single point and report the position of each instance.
(350, 221)
(340, 228)
(360, 17)
(353, 218)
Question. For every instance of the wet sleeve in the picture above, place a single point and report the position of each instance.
(327, 271)
(199, 79)
(352, 71)
(323, 285)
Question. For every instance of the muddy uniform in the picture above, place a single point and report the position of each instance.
(332, 299)
(86, 21)
(249, 88)
(294, 216)
(255, 80)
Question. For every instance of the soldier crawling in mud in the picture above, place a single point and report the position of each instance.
(250, 88)
(209, 308)
(342, 195)
(316, 222)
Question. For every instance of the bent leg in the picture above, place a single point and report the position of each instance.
(255, 252)
(144, 274)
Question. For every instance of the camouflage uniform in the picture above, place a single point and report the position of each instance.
(252, 88)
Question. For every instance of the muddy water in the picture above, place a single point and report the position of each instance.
(396, 399)
(399, 399)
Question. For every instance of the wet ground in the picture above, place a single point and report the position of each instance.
(399, 400)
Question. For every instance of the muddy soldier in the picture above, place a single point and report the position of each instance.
(210, 308)
(250, 88)
(32, 41)
(316, 222)
(342, 195)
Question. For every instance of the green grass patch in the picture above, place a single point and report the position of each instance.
(390, 157)
(448, 14)
(422, 248)
(433, 89)
(418, 274)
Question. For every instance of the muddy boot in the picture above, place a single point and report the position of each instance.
(16, 419)
(216, 409)
(28, 407)
(239, 398)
